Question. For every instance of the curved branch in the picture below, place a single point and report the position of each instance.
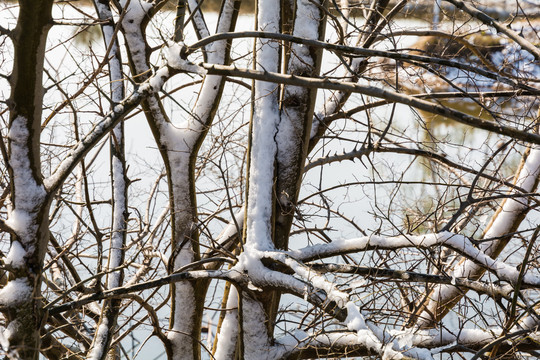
(459, 243)
(438, 95)
(334, 343)
(99, 130)
(351, 50)
(386, 94)
(122, 291)
(441, 158)
(490, 289)
(488, 20)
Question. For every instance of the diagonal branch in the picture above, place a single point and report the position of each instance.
(6, 32)
(122, 291)
(488, 20)
(386, 94)
(491, 289)
(99, 130)
(359, 51)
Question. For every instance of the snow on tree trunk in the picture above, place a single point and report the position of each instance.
(296, 115)
(261, 169)
(111, 308)
(294, 127)
(264, 123)
(178, 146)
(228, 334)
(255, 337)
(29, 203)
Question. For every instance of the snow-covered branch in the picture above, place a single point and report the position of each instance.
(488, 288)
(504, 222)
(428, 343)
(458, 243)
(110, 309)
(99, 130)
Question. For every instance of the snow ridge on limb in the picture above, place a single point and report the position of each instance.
(28, 202)
(426, 343)
(338, 303)
(175, 143)
(264, 124)
(320, 292)
(296, 114)
(29, 194)
(228, 333)
(261, 169)
(505, 221)
(456, 242)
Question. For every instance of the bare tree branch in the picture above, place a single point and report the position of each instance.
(375, 92)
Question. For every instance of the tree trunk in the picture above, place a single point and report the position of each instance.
(28, 218)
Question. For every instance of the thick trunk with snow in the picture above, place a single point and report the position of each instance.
(261, 169)
(178, 144)
(29, 203)
(176, 147)
(293, 134)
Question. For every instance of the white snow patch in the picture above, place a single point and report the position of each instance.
(15, 292)
(264, 128)
(4, 342)
(159, 78)
(29, 195)
(256, 343)
(306, 25)
(390, 354)
(355, 321)
(179, 335)
(228, 334)
(16, 255)
(369, 340)
(174, 60)
(405, 340)
(135, 13)
(11, 330)
(315, 279)
(98, 346)
(20, 221)
(362, 243)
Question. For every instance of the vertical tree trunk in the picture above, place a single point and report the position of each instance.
(179, 151)
(110, 310)
(20, 299)
(297, 108)
(261, 161)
